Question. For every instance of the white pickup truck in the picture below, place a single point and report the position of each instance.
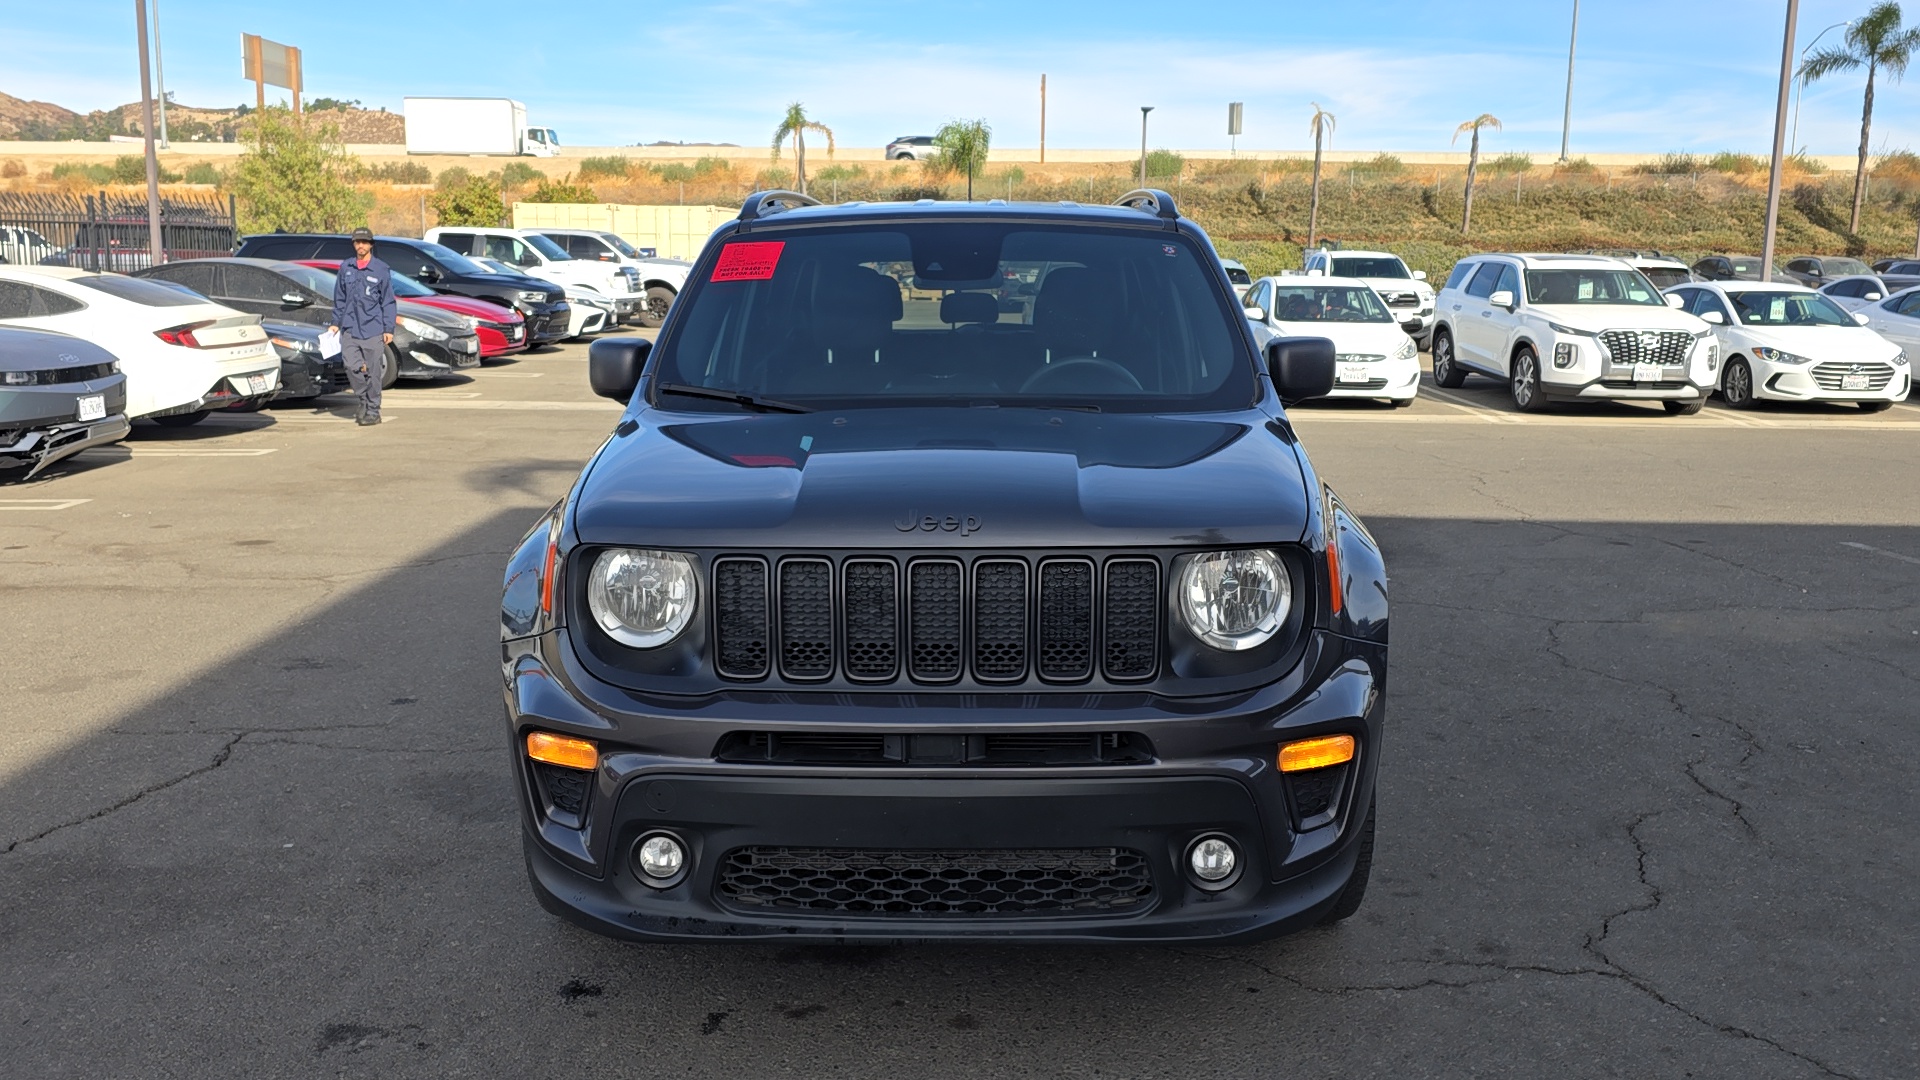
(537, 256)
(660, 279)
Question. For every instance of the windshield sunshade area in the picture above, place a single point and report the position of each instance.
(1370, 268)
(1591, 287)
(1328, 303)
(1787, 309)
(961, 313)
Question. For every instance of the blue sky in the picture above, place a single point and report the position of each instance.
(1399, 75)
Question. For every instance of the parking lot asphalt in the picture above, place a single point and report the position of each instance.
(1647, 802)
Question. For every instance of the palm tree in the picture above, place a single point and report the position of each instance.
(963, 145)
(797, 125)
(1473, 159)
(1875, 42)
(1322, 126)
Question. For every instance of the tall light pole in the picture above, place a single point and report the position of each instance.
(1566, 118)
(160, 75)
(1144, 110)
(1800, 84)
(155, 252)
(1779, 142)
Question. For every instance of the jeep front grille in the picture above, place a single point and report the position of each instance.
(1001, 619)
(1668, 348)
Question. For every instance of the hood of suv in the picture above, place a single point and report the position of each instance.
(890, 478)
(1597, 318)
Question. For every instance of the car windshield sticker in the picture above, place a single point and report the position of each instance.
(1586, 290)
(748, 261)
(1777, 309)
(1169, 250)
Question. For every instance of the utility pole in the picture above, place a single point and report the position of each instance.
(155, 251)
(1144, 110)
(1779, 142)
(1566, 118)
(160, 75)
(1043, 119)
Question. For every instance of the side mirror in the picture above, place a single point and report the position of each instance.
(427, 273)
(1715, 318)
(1675, 300)
(1301, 367)
(1871, 296)
(1861, 318)
(294, 299)
(1419, 275)
(614, 366)
(529, 259)
(1257, 314)
(1502, 298)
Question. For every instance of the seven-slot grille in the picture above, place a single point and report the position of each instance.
(1665, 347)
(1832, 375)
(932, 620)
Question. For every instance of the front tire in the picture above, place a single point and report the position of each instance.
(1356, 890)
(654, 311)
(1524, 382)
(1875, 406)
(392, 374)
(1736, 385)
(1446, 371)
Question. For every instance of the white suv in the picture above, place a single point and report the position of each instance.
(1406, 292)
(1571, 327)
(536, 256)
(660, 279)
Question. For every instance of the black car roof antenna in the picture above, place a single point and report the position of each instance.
(1152, 200)
(762, 204)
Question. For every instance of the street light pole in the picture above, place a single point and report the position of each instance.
(155, 253)
(1779, 142)
(1144, 110)
(1566, 119)
(1800, 84)
(160, 75)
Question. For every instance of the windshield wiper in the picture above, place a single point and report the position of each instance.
(749, 400)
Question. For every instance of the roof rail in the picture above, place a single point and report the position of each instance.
(1153, 200)
(767, 203)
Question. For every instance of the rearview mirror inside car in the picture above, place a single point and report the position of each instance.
(1301, 367)
(614, 366)
(1501, 298)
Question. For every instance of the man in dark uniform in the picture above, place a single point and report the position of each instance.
(363, 316)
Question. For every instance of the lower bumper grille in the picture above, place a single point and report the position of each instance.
(1832, 376)
(1010, 748)
(1629, 384)
(1369, 384)
(1068, 881)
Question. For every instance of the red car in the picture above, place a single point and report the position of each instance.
(503, 331)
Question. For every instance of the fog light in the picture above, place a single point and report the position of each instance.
(660, 859)
(1213, 859)
(1564, 355)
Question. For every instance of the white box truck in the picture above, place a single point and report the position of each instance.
(449, 125)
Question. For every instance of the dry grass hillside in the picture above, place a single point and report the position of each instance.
(40, 120)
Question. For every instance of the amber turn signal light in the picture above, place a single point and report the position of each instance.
(562, 750)
(1316, 753)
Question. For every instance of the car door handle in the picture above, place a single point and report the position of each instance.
(1486, 314)
(1456, 307)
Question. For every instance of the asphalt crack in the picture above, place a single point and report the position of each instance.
(220, 757)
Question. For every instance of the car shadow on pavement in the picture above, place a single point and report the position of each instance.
(1643, 785)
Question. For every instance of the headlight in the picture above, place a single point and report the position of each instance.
(1777, 356)
(422, 330)
(1235, 600)
(1899, 359)
(1408, 350)
(296, 346)
(1559, 329)
(469, 322)
(531, 296)
(642, 598)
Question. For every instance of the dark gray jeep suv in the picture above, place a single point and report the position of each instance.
(886, 613)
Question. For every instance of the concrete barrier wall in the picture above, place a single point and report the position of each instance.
(674, 232)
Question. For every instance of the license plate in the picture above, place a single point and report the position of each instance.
(470, 346)
(1352, 373)
(1646, 373)
(513, 334)
(1853, 382)
(256, 384)
(92, 407)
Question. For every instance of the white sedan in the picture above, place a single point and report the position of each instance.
(183, 354)
(1897, 318)
(1373, 357)
(1785, 342)
(1856, 291)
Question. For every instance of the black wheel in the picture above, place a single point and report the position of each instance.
(392, 373)
(1684, 408)
(1400, 402)
(185, 419)
(1875, 406)
(653, 311)
(1736, 385)
(1356, 890)
(1524, 381)
(1445, 371)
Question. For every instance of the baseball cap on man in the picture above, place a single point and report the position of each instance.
(363, 233)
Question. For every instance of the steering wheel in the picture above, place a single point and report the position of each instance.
(1085, 374)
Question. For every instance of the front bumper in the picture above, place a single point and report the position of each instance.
(502, 339)
(423, 359)
(1212, 773)
(38, 448)
(1396, 379)
(1796, 382)
(548, 323)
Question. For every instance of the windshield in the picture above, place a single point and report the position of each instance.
(1665, 277)
(1835, 266)
(407, 287)
(980, 314)
(139, 290)
(449, 258)
(1377, 266)
(495, 266)
(1328, 303)
(546, 247)
(1239, 276)
(1597, 286)
(1757, 308)
(620, 245)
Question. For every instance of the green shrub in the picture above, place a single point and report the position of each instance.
(477, 201)
(396, 172)
(1668, 165)
(610, 167)
(840, 173)
(1507, 164)
(452, 177)
(1807, 165)
(672, 171)
(295, 176)
(1576, 167)
(99, 174)
(1726, 161)
(516, 174)
(1165, 164)
(1379, 166)
(707, 166)
(775, 177)
(201, 172)
(563, 190)
(1012, 174)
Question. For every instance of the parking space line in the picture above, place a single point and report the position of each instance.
(1880, 551)
(510, 406)
(507, 374)
(1470, 408)
(41, 504)
(201, 451)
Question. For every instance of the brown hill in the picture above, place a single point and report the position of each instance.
(37, 121)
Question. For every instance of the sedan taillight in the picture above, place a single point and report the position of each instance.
(182, 335)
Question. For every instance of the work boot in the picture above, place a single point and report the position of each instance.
(367, 420)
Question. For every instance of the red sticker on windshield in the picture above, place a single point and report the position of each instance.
(748, 261)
